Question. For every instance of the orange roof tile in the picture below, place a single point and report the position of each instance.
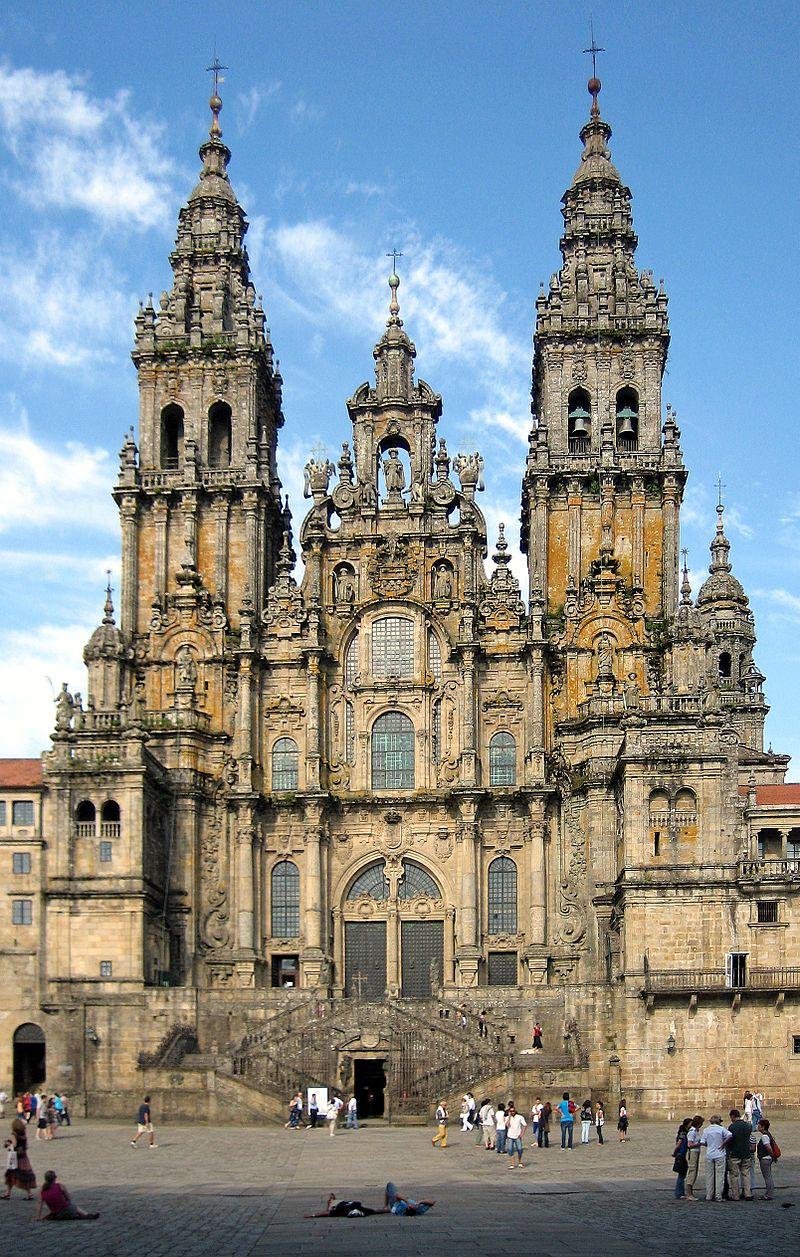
(22, 774)
(786, 795)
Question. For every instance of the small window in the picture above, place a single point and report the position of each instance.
(349, 733)
(106, 852)
(3, 820)
(656, 843)
(767, 910)
(22, 812)
(434, 657)
(219, 435)
(105, 968)
(725, 666)
(796, 1044)
(284, 764)
(171, 437)
(286, 971)
(415, 881)
(22, 912)
(393, 647)
(502, 760)
(372, 882)
(351, 661)
(736, 969)
(579, 420)
(21, 862)
(793, 849)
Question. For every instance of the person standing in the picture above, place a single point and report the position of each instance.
(500, 1124)
(58, 1105)
(487, 1124)
(39, 1115)
(566, 1108)
(680, 1159)
(693, 1155)
(586, 1121)
(740, 1157)
(352, 1114)
(622, 1122)
(3, 1102)
(543, 1138)
(313, 1110)
(332, 1116)
(714, 1139)
(20, 1174)
(514, 1132)
(537, 1037)
(483, 1029)
(599, 1120)
(758, 1108)
(144, 1124)
(536, 1112)
(765, 1148)
(65, 1110)
(440, 1137)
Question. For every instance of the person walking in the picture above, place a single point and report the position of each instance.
(313, 1110)
(740, 1157)
(335, 1105)
(680, 1159)
(514, 1132)
(693, 1155)
(566, 1108)
(714, 1139)
(543, 1138)
(766, 1149)
(440, 1137)
(19, 1171)
(487, 1124)
(39, 1115)
(599, 1120)
(586, 1121)
(144, 1124)
(500, 1127)
(537, 1037)
(352, 1114)
(52, 1118)
(622, 1122)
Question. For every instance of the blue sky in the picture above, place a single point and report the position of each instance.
(450, 131)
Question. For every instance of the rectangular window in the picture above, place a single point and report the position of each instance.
(656, 842)
(285, 970)
(22, 912)
(105, 968)
(736, 969)
(793, 849)
(796, 1044)
(393, 647)
(21, 862)
(106, 852)
(767, 910)
(3, 813)
(502, 968)
(22, 812)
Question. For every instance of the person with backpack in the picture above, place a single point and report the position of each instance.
(440, 1137)
(680, 1158)
(768, 1153)
(543, 1137)
(566, 1108)
(586, 1121)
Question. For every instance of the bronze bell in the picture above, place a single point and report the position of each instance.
(625, 422)
(579, 422)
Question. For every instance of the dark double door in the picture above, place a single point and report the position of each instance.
(421, 958)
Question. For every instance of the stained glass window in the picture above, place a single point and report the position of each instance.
(349, 734)
(393, 752)
(434, 657)
(285, 900)
(502, 760)
(393, 647)
(415, 881)
(284, 764)
(502, 899)
(351, 661)
(372, 882)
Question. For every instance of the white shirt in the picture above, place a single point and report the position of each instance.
(487, 1115)
(500, 1119)
(352, 1105)
(693, 1137)
(441, 1114)
(714, 1138)
(748, 1109)
(333, 1108)
(535, 1111)
(516, 1126)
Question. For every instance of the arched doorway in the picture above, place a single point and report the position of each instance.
(394, 938)
(30, 1059)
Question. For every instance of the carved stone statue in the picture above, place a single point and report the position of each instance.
(605, 658)
(394, 473)
(345, 587)
(443, 583)
(417, 491)
(64, 708)
(632, 695)
(187, 668)
(317, 477)
(469, 469)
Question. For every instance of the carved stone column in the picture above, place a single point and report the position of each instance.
(315, 965)
(670, 522)
(313, 748)
(245, 887)
(637, 546)
(469, 755)
(393, 950)
(574, 509)
(130, 566)
(252, 575)
(537, 924)
(221, 566)
(468, 952)
(539, 566)
(160, 514)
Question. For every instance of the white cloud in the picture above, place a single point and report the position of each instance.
(363, 190)
(48, 485)
(249, 103)
(79, 151)
(302, 111)
(499, 511)
(61, 304)
(787, 605)
(33, 663)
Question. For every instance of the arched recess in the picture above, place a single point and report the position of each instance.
(110, 819)
(579, 421)
(171, 436)
(627, 417)
(725, 665)
(30, 1057)
(659, 808)
(393, 450)
(219, 435)
(85, 819)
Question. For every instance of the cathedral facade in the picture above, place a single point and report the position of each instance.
(394, 777)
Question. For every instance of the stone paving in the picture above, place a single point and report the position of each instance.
(227, 1190)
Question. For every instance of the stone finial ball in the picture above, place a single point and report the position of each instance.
(594, 86)
(215, 103)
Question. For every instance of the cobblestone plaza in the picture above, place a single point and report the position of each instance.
(221, 1189)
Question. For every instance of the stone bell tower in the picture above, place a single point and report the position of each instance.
(603, 481)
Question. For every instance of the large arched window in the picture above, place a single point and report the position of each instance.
(85, 819)
(725, 666)
(627, 419)
(502, 897)
(579, 420)
(372, 882)
(171, 436)
(415, 882)
(502, 760)
(393, 752)
(110, 819)
(284, 764)
(351, 661)
(285, 900)
(219, 435)
(393, 647)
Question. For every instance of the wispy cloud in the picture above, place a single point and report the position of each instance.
(33, 662)
(362, 190)
(785, 605)
(303, 111)
(79, 151)
(249, 103)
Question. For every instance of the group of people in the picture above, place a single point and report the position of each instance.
(730, 1154)
(53, 1197)
(333, 1111)
(501, 1127)
(37, 1108)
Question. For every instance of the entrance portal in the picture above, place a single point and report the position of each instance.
(365, 959)
(29, 1057)
(370, 1086)
(422, 944)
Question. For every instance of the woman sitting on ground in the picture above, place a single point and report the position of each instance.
(58, 1201)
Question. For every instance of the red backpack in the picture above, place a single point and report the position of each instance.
(776, 1152)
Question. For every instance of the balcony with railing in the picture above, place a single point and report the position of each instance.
(689, 982)
(768, 870)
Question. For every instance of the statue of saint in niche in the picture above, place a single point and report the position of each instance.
(394, 474)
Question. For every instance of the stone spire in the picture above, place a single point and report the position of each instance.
(721, 585)
(686, 588)
(720, 547)
(394, 353)
(108, 609)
